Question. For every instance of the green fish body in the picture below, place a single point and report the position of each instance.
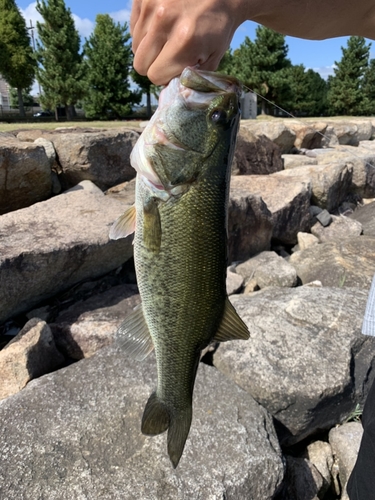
(183, 162)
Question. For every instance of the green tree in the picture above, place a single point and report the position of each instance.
(146, 87)
(308, 92)
(261, 65)
(27, 98)
(108, 63)
(60, 70)
(368, 86)
(345, 95)
(17, 64)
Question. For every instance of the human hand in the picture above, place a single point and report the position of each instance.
(169, 35)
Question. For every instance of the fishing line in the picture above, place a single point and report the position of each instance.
(342, 146)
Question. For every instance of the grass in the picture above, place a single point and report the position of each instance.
(9, 127)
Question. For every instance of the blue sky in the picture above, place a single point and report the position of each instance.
(318, 55)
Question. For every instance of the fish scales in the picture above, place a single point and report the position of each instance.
(180, 246)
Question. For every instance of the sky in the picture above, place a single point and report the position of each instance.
(317, 55)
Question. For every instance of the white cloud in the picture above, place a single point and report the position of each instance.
(325, 71)
(121, 16)
(84, 26)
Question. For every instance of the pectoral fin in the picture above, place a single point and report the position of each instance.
(134, 336)
(124, 225)
(151, 225)
(231, 327)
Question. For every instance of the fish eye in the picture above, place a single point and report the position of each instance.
(219, 116)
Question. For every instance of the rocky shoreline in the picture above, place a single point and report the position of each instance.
(274, 417)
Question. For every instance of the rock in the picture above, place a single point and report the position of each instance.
(30, 354)
(307, 361)
(275, 130)
(268, 269)
(101, 156)
(366, 217)
(49, 149)
(52, 245)
(324, 218)
(79, 436)
(306, 240)
(308, 136)
(287, 200)
(302, 480)
(345, 441)
(249, 224)
(25, 174)
(89, 325)
(340, 228)
(234, 282)
(342, 263)
(87, 186)
(295, 161)
(330, 183)
(255, 155)
(124, 191)
(361, 161)
(319, 453)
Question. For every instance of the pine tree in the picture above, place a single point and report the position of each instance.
(27, 98)
(60, 72)
(260, 65)
(17, 64)
(345, 95)
(368, 87)
(108, 62)
(308, 92)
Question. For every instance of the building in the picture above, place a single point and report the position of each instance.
(4, 95)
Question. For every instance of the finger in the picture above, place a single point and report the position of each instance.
(134, 15)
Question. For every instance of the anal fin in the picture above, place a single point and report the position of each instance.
(231, 327)
(133, 335)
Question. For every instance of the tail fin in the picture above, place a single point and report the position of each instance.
(157, 419)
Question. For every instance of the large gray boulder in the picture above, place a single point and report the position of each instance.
(52, 245)
(287, 200)
(25, 174)
(347, 262)
(101, 156)
(76, 434)
(275, 130)
(330, 183)
(306, 361)
(255, 155)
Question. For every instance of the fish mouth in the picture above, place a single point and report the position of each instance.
(197, 88)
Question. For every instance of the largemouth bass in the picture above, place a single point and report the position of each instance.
(183, 161)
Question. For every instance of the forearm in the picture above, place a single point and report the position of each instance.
(314, 20)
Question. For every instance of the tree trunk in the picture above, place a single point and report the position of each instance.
(20, 103)
(56, 114)
(149, 110)
(263, 107)
(70, 112)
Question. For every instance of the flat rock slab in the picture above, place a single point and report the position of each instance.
(25, 174)
(307, 361)
(76, 434)
(48, 247)
(344, 263)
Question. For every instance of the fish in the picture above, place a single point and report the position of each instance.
(183, 163)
